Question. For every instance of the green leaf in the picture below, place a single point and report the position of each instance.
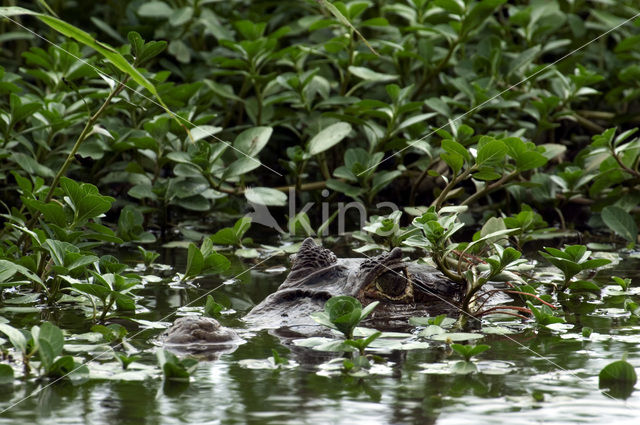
(58, 250)
(616, 373)
(29, 164)
(224, 236)
(584, 286)
(63, 366)
(92, 206)
(344, 21)
(451, 146)
(342, 187)
(479, 12)
(253, 140)
(370, 75)
(92, 289)
(212, 308)
(525, 154)
(195, 261)
(16, 337)
(453, 160)
(490, 153)
(155, 9)
(215, 263)
(451, 6)
(328, 137)
(368, 309)
(46, 353)
(6, 374)
(240, 167)
(53, 335)
(172, 368)
(266, 196)
(620, 222)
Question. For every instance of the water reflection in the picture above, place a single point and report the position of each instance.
(560, 387)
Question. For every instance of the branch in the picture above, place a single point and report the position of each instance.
(490, 188)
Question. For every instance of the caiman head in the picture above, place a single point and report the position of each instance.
(385, 277)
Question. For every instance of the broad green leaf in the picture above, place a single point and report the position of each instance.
(99, 291)
(619, 377)
(241, 226)
(452, 6)
(215, 263)
(195, 261)
(212, 308)
(202, 132)
(453, 160)
(253, 140)
(493, 236)
(370, 75)
(490, 153)
(46, 353)
(9, 269)
(584, 286)
(342, 187)
(240, 167)
(6, 374)
(16, 337)
(112, 55)
(621, 222)
(479, 13)
(368, 309)
(92, 206)
(328, 137)
(451, 146)
(155, 9)
(224, 236)
(266, 196)
(53, 335)
(29, 164)
(58, 250)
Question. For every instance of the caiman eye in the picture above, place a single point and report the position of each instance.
(392, 283)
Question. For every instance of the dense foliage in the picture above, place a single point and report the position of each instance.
(524, 114)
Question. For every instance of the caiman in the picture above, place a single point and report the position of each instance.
(404, 289)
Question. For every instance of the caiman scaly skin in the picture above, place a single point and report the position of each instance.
(404, 289)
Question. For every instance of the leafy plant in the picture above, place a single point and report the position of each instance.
(343, 313)
(233, 235)
(174, 369)
(468, 351)
(624, 283)
(572, 260)
(47, 342)
(111, 290)
(148, 256)
(204, 260)
(543, 314)
(212, 308)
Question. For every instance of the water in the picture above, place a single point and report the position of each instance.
(560, 367)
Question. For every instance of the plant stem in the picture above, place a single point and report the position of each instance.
(634, 173)
(490, 188)
(443, 195)
(86, 131)
(445, 270)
